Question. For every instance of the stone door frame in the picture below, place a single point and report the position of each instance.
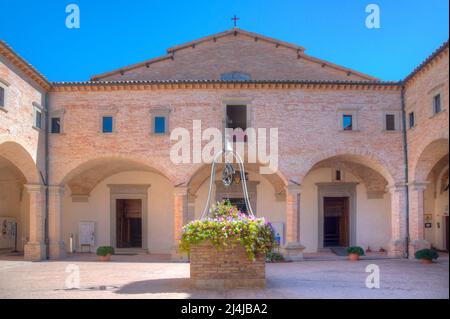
(337, 190)
(128, 191)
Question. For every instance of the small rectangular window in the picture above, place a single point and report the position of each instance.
(338, 176)
(159, 125)
(107, 124)
(347, 122)
(411, 120)
(38, 119)
(2, 96)
(390, 122)
(56, 125)
(236, 117)
(437, 104)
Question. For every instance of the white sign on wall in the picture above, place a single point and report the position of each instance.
(86, 234)
(7, 232)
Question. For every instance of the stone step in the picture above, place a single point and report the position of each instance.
(131, 251)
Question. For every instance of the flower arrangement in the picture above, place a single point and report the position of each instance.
(227, 225)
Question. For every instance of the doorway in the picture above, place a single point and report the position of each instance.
(336, 222)
(129, 223)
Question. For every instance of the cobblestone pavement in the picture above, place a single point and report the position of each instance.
(145, 277)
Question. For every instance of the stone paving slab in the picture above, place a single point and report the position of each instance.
(129, 277)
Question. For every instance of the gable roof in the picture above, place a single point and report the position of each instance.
(427, 61)
(23, 65)
(299, 50)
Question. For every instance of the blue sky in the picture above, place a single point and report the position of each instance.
(118, 33)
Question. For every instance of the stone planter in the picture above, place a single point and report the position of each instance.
(353, 257)
(227, 267)
(426, 261)
(105, 258)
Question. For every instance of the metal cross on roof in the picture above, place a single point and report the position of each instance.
(235, 19)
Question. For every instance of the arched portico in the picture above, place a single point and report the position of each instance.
(428, 220)
(352, 199)
(23, 199)
(127, 203)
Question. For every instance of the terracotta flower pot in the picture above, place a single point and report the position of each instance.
(105, 258)
(426, 261)
(353, 257)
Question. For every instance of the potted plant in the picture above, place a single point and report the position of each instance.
(105, 252)
(427, 255)
(230, 245)
(354, 252)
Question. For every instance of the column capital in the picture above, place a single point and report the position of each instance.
(34, 188)
(418, 186)
(180, 190)
(293, 189)
(57, 189)
(399, 187)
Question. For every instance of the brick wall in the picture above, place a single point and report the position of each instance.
(307, 121)
(229, 267)
(16, 122)
(420, 90)
(262, 60)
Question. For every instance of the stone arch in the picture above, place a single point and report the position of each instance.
(359, 157)
(83, 177)
(430, 155)
(20, 157)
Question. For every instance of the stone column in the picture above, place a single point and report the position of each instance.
(293, 250)
(416, 218)
(191, 207)
(35, 248)
(180, 214)
(398, 220)
(57, 248)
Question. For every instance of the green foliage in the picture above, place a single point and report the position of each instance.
(429, 254)
(273, 257)
(227, 225)
(105, 250)
(355, 250)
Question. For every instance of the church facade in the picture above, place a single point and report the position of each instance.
(361, 161)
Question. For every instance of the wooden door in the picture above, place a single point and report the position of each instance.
(129, 223)
(336, 222)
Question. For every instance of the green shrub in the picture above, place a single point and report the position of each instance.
(227, 224)
(273, 257)
(429, 254)
(105, 250)
(355, 250)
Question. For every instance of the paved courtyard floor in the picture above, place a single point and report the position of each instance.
(154, 277)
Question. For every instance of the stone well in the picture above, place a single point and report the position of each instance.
(227, 267)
